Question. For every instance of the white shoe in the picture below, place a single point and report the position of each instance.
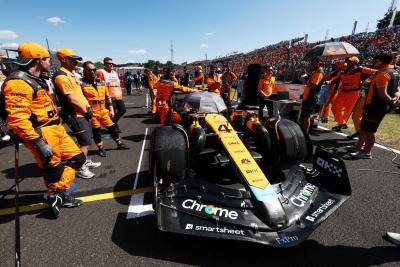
(84, 173)
(6, 138)
(361, 155)
(91, 164)
(393, 237)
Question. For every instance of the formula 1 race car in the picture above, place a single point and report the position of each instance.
(224, 174)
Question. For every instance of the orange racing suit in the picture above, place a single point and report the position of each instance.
(198, 80)
(152, 80)
(227, 79)
(214, 84)
(33, 117)
(97, 95)
(165, 88)
(350, 85)
(334, 80)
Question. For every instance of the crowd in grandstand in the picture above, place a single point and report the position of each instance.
(288, 59)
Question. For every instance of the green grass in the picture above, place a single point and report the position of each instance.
(388, 133)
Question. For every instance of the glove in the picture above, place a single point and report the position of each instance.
(89, 114)
(44, 150)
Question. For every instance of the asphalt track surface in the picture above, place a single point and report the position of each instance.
(99, 233)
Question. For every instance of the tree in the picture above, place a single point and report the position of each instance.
(150, 64)
(384, 22)
(99, 65)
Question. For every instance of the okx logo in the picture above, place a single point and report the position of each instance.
(191, 204)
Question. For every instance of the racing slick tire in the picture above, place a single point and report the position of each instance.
(168, 156)
(289, 144)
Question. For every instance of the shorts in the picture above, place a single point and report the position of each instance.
(81, 129)
(373, 117)
(308, 106)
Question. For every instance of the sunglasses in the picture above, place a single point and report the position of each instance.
(109, 63)
(91, 70)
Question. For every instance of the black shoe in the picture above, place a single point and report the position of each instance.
(101, 152)
(55, 202)
(324, 120)
(122, 146)
(337, 128)
(70, 202)
(344, 126)
(353, 136)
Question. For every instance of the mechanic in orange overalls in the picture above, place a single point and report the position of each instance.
(228, 77)
(333, 79)
(213, 81)
(199, 78)
(349, 91)
(165, 87)
(97, 95)
(152, 80)
(33, 117)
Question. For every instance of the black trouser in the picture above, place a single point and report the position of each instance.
(119, 109)
(270, 107)
(128, 87)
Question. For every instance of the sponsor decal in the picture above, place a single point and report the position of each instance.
(209, 209)
(305, 193)
(210, 229)
(252, 171)
(321, 209)
(245, 161)
(240, 151)
(329, 167)
(233, 143)
(286, 240)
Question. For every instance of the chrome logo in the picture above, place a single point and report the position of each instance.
(209, 209)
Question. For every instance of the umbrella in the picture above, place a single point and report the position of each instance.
(332, 50)
(205, 102)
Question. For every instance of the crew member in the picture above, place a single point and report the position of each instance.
(186, 77)
(75, 109)
(97, 95)
(333, 79)
(227, 78)
(382, 94)
(309, 99)
(165, 87)
(213, 81)
(110, 77)
(199, 78)
(350, 85)
(151, 81)
(33, 117)
(266, 87)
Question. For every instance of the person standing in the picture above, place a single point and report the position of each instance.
(213, 81)
(227, 78)
(266, 87)
(33, 117)
(199, 78)
(151, 82)
(75, 109)
(349, 91)
(110, 77)
(186, 77)
(96, 93)
(382, 95)
(309, 99)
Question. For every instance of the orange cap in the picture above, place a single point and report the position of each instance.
(66, 52)
(29, 51)
(199, 68)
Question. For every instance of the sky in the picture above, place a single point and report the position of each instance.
(136, 31)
